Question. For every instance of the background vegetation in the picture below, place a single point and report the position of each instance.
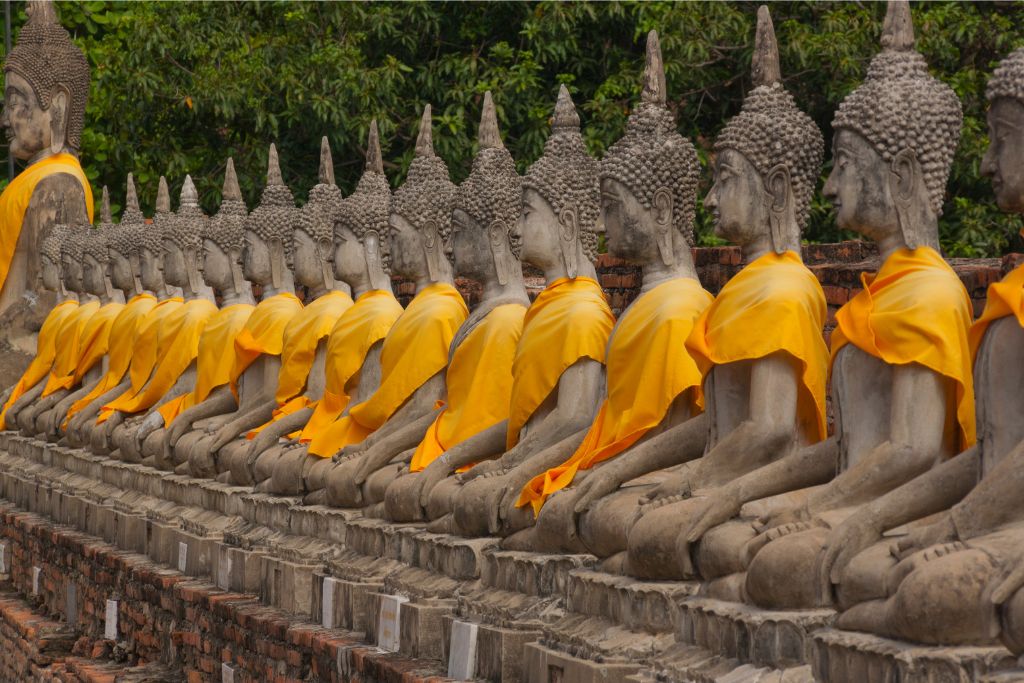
(178, 87)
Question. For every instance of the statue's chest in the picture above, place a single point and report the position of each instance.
(999, 390)
(258, 381)
(861, 403)
(727, 398)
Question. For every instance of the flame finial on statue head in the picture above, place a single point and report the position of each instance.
(488, 136)
(163, 197)
(655, 89)
(765, 68)
(230, 190)
(105, 216)
(374, 159)
(425, 137)
(898, 29)
(326, 175)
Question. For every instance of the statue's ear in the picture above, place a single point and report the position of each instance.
(780, 207)
(568, 240)
(433, 250)
(59, 101)
(325, 251)
(497, 237)
(195, 281)
(235, 263)
(662, 206)
(277, 262)
(905, 181)
(371, 248)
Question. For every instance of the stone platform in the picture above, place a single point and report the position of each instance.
(401, 598)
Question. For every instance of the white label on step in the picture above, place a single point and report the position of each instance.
(388, 626)
(36, 571)
(462, 653)
(110, 627)
(182, 556)
(224, 570)
(3, 558)
(227, 674)
(327, 601)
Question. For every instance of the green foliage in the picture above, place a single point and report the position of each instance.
(178, 87)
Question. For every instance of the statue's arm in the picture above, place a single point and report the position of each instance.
(184, 384)
(415, 409)
(269, 435)
(90, 411)
(995, 501)
(243, 422)
(26, 399)
(579, 394)
(383, 450)
(766, 434)
(369, 375)
(477, 448)
(916, 430)
(220, 402)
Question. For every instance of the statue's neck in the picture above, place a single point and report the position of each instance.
(555, 269)
(285, 286)
(64, 295)
(202, 292)
(655, 271)
(235, 296)
(494, 290)
(46, 154)
(424, 280)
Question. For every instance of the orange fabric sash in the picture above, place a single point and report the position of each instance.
(263, 332)
(68, 347)
(1005, 298)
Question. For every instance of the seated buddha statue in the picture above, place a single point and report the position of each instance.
(222, 244)
(902, 341)
(352, 364)
(269, 234)
(955, 577)
(300, 380)
(46, 84)
(30, 385)
(413, 360)
(477, 376)
(131, 351)
(558, 364)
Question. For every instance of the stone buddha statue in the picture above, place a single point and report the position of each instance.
(178, 337)
(28, 388)
(222, 243)
(558, 365)
(902, 340)
(477, 379)
(300, 381)
(124, 251)
(269, 247)
(955, 578)
(649, 417)
(352, 367)
(46, 83)
(412, 360)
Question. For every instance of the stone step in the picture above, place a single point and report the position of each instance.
(533, 574)
(846, 656)
(765, 638)
(639, 605)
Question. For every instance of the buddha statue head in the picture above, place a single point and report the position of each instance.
(421, 213)
(183, 241)
(96, 252)
(649, 179)
(768, 159)
(361, 236)
(49, 255)
(46, 83)
(151, 243)
(314, 236)
(270, 232)
(1004, 158)
(223, 238)
(72, 253)
(124, 242)
(561, 196)
(487, 206)
(895, 136)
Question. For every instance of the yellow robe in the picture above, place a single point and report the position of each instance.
(18, 194)
(213, 362)
(46, 351)
(567, 321)
(123, 333)
(915, 310)
(263, 332)
(1004, 298)
(479, 383)
(68, 347)
(415, 350)
(364, 324)
(301, 338)
(177, 347)
(775, 304)
(648, 368)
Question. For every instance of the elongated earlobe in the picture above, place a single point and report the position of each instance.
(497, 235)
(568, 235)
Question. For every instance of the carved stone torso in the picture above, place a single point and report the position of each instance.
(862, 388)
(999, 391)
(258, 382)
(727, 399)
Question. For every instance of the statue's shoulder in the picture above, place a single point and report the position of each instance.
(59, 187)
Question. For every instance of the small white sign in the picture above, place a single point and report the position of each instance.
(388, 626)
(224, 570)
(182, 556)
(110, 627)
(227, 674)
(36, 571)
(462, 653)
(327, 601)
(3, 558)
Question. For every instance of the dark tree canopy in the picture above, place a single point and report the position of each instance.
(178, 87)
